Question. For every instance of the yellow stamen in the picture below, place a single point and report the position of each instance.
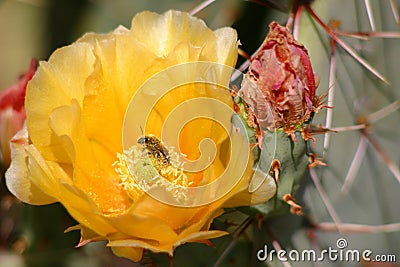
(139, 173)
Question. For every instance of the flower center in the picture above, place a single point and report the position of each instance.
(149, 165)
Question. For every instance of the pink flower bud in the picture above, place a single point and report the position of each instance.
(12, 111)
(280, 79)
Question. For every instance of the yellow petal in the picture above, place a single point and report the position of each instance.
(75, 201)
(123, 65)
(200, 222)
(132, 253)
(87, 235)
(195, 237)
(55, 84)
(82, 209)
(144, 226)
(170, 29)
(174, 217)
(85, 152)
(18, 177)
(200, 236)
(140, 244)
(225, 50)
(244, 198)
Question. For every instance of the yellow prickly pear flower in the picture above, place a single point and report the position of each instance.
(72, 149)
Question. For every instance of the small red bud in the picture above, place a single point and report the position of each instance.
(12, 111)
(280, 84)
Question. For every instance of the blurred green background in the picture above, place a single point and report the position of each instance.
(35, 28)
